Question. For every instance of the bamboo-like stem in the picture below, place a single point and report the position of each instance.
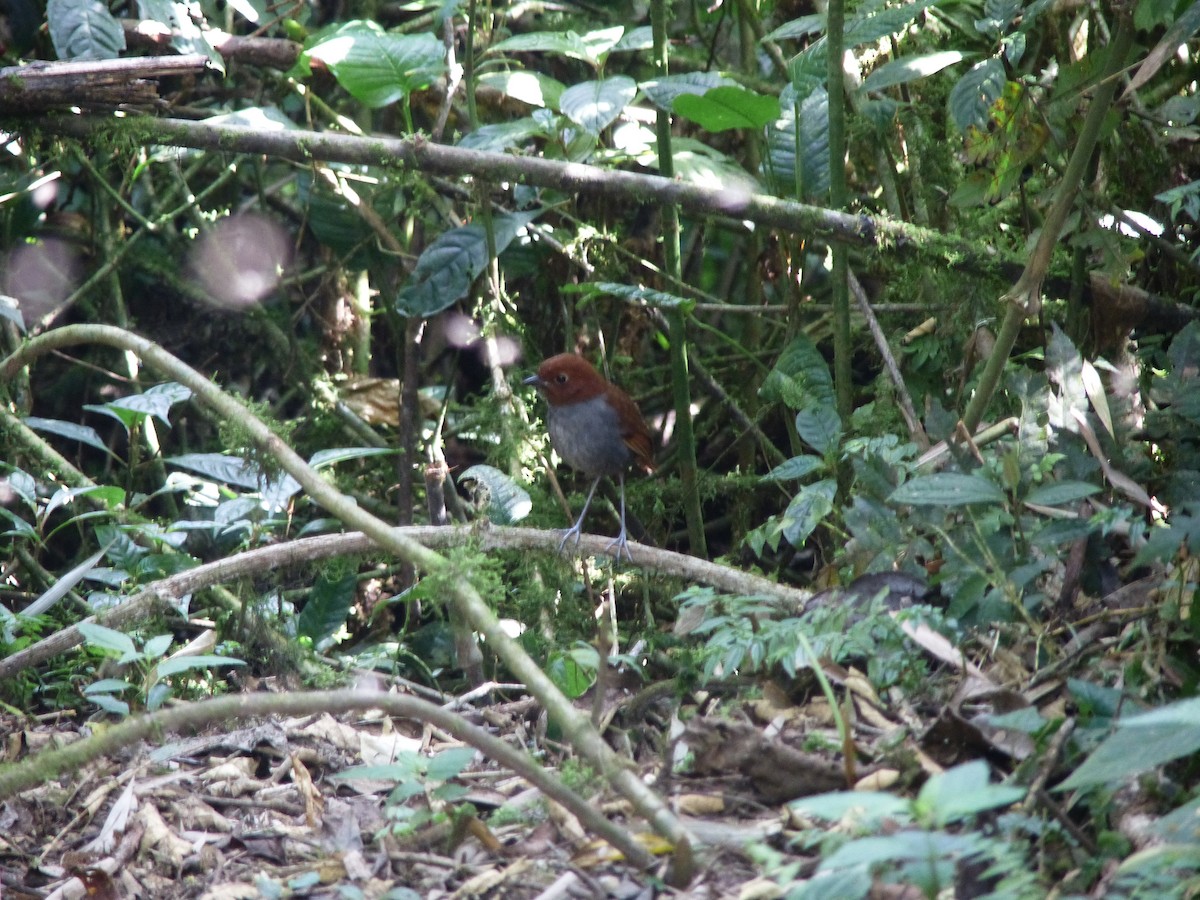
(681, 391)
(1024, 298)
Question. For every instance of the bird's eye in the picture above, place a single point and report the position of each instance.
(561, 377)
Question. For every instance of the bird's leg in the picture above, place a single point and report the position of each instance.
(621, 541)
(577, 529)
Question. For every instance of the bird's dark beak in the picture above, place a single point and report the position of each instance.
(534, 380)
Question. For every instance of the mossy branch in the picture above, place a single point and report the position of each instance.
(151, 726)
(576, 728)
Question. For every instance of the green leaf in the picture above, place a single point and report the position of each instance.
(445, 271)
(1061, 492)
(1131, 750)
(594, 105)
(867, 807)
(947, 489)
(663, 91)
(169, 667)
(797, 28)
(111, 704)
(449, 763)
(376, 67)
(333, 455)
(796, 467)
(327, 608)
(961, 792)
(820, 427)
(807, 510)
(911, 68)
(533, 88)
(504, 501)
(85, 434)
(104, 638)
(84, 29)
(632, 293)
(812, 123)
(155, 401)
(569, 676)
(564, 43)
(501, 136)
(800, 378)
(972, 97)
(726, 108)
(157, 646)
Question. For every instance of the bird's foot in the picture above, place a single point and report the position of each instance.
(622, 544)
(570, 533)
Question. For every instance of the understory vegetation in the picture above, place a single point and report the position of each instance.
(911, 605)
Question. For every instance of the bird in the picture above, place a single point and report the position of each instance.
(596, 428)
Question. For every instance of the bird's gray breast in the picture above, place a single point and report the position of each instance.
(587, 435)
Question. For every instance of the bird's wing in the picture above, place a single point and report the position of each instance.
(634, 432)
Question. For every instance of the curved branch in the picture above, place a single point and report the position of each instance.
(307, 550)
(576, 728)
(438, 159)
(53, 763)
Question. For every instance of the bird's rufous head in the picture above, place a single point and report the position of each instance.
(567, 379)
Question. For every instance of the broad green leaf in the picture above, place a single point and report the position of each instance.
(377, 67)
(506, 502)
(641, 38)
(533, 88)
(663, 91)
(84, 29)
(633, 294)
(726, 108)
(796, 467)
(875, 23)
(111, 704)
(911, 68)
(599, 43)
(1132, 750)
(445, 271)
(800, 378)
(805, 130)
(1061, 492)
(569, 676)
(564, 43)
(797, 28)
(155, 401)
(961, 792)
(972, 97)
(157, 646)
(863, 807)
(85, 434)
(820, 427)
(327, 607)
(169, 667)
(104, 638)
(106, 686)
(220, 467)
(947, 489)
(594, 105)
(333, 455)
(501, 136)
(449, 763)
(807, 510)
